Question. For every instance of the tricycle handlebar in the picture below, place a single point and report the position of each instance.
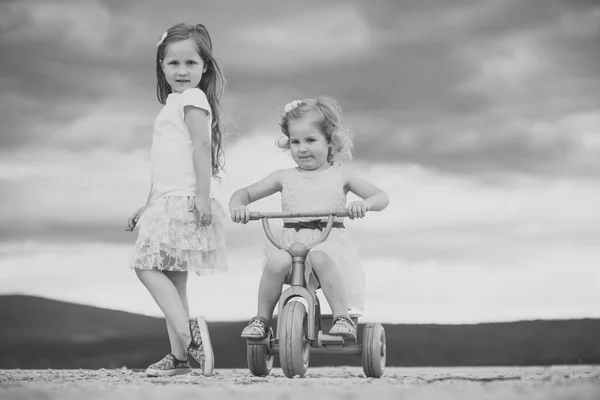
(315, 214)
(256, 215)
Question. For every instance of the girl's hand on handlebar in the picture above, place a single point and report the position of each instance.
(358, 209)
(240, 214)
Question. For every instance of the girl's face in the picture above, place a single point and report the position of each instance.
(308, 146)
(183, 66)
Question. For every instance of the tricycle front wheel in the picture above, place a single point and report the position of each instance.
(294, 347)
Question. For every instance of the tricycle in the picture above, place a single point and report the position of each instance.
(300, 321)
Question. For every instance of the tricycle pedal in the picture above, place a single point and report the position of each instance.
(325, 339)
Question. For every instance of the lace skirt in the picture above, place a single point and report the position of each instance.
(170, 239)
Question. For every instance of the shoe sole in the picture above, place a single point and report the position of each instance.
(253, 337)
(209, 358)
(348, 337)
(161, 372)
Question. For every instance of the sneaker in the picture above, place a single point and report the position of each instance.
(344, 327)
(169, 366)
(257, 328)
(200, 347)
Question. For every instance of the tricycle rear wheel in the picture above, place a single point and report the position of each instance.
(258, 358)
(373, 350)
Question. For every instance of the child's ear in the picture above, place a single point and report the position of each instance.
(162, 66)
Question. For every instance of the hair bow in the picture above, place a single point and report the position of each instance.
(291, 105)
(162, 38)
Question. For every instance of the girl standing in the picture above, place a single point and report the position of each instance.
(181, 226)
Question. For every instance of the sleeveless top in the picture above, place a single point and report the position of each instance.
(307, 191)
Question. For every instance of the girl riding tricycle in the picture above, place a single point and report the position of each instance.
(313, 249)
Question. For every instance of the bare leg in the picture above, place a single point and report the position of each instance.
(179, 279)
(276, 270)
(331, 281)
(167, 297)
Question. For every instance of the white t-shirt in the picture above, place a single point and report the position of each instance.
(171, 155)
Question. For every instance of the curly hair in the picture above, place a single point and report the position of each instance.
(326, 116)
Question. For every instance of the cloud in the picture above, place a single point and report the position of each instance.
(468, 88)
(328, 35)
(59, 69)
(562, 146)
(480, 119)
(500, 88)
(397, 290)
(64, 195)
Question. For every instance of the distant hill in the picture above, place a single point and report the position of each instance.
(42, 333)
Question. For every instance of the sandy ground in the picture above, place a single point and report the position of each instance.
(557, 382)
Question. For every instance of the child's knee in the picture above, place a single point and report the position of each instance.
(318, 258)
(279, 263)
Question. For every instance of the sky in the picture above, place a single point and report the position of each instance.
(480, 119)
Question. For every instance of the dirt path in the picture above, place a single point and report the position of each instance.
(566, 382)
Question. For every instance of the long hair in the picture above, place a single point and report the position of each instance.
(326, 116)
(212, 83)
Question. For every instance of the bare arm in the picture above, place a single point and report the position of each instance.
(196, 120)
(149, 195)
(374, 199)
(247, 195)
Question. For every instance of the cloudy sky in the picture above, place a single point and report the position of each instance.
(480, 118)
